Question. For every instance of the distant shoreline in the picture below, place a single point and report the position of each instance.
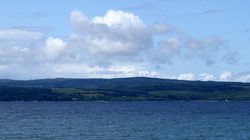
(123, 89)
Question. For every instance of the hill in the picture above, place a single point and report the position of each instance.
(122, 89)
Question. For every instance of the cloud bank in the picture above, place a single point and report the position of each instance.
(116, 44)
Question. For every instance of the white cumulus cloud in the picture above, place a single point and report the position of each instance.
(207, 77)
(119, 19)
(244, 78)
(78, 19)
(186, 76)
(53, 47)
(225, 75)
(115, 33)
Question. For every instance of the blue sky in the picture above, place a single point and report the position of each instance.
(190, 40)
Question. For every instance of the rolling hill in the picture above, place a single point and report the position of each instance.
(122, 89)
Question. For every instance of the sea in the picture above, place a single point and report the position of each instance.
(120, 120)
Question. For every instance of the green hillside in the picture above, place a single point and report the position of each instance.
(122, 89)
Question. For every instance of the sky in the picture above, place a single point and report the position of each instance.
(204, 40)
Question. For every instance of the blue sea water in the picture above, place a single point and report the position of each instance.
(124, 120)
